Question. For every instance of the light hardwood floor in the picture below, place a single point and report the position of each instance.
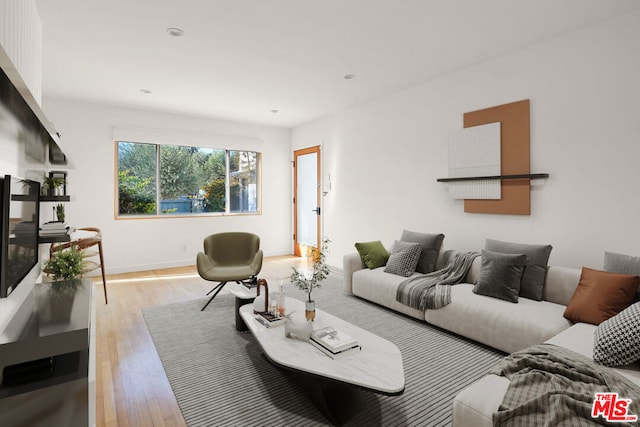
(131, 386)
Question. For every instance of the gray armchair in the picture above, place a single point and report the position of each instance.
(232, 256)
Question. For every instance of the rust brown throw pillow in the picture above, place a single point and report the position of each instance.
(600, 295)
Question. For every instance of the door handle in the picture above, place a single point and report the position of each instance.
(316, 210)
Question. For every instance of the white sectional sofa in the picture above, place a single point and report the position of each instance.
(475, 405)
(494, 322)
(497, 323)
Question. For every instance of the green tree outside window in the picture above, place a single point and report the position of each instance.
(189, 180)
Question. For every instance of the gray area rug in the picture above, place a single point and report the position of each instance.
(220, 377)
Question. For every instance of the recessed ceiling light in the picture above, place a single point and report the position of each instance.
(349, 76)
(175, 32)
(145, 91)
(274, 111)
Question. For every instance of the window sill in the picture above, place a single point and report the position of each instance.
(202, 215)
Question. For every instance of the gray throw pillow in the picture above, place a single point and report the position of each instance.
(535, 269)
(622, 264)
(431, 244)
(500, 275)
(404, 258)
(617, 339)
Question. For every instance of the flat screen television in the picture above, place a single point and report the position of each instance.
(18, 231)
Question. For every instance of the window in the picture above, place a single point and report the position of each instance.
(179, 180)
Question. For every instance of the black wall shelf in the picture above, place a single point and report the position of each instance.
(57, 238)
(500, 177)
(55, 198)
(24, 197)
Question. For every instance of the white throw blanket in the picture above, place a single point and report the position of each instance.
(432, 290)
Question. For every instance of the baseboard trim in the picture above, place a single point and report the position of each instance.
(161, 265)
(337, 272)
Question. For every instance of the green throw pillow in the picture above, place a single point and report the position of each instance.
(373, 254)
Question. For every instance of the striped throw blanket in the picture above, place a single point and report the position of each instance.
(432, 290)
(554, 386)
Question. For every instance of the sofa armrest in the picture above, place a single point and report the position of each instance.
(350, 264)
(560, 284)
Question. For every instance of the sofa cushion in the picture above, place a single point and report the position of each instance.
(617, 340)
(536, 266)
(500, 275)
(497, 323)
(404, 258)
(431, 245)
(623, 264)
(580, 338)
(380, 287)
(560, 284)
(601, 295)
(373, 254)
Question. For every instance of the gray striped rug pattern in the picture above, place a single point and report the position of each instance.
(220, 377)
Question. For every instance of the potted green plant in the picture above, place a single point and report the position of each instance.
(52, 185)
(308, 280)
(31, 186)
(65, 264)
(59, 210)
(65, 268)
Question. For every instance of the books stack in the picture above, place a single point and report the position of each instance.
(269, 320)
(333, 342)
(24, 228)
(54, 228)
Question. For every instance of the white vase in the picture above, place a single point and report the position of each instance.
(310, 310)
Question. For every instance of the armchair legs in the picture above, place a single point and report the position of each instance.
(218, 288)
(252, 282)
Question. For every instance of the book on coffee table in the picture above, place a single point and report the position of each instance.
(269, 320)
(331, 354)
(333, 339)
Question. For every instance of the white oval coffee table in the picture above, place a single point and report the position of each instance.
(376, 367)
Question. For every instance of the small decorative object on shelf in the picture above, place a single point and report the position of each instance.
(55, 184)
(308, 280)
(54, 229)
(59, 211)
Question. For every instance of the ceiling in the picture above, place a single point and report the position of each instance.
(241, 59)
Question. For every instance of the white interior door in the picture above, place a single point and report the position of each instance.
(306, 200)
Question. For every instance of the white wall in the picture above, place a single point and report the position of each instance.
(21, 38)
(384, 156)
(140, 244)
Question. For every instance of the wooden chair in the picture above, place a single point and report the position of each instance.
(90, 247)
